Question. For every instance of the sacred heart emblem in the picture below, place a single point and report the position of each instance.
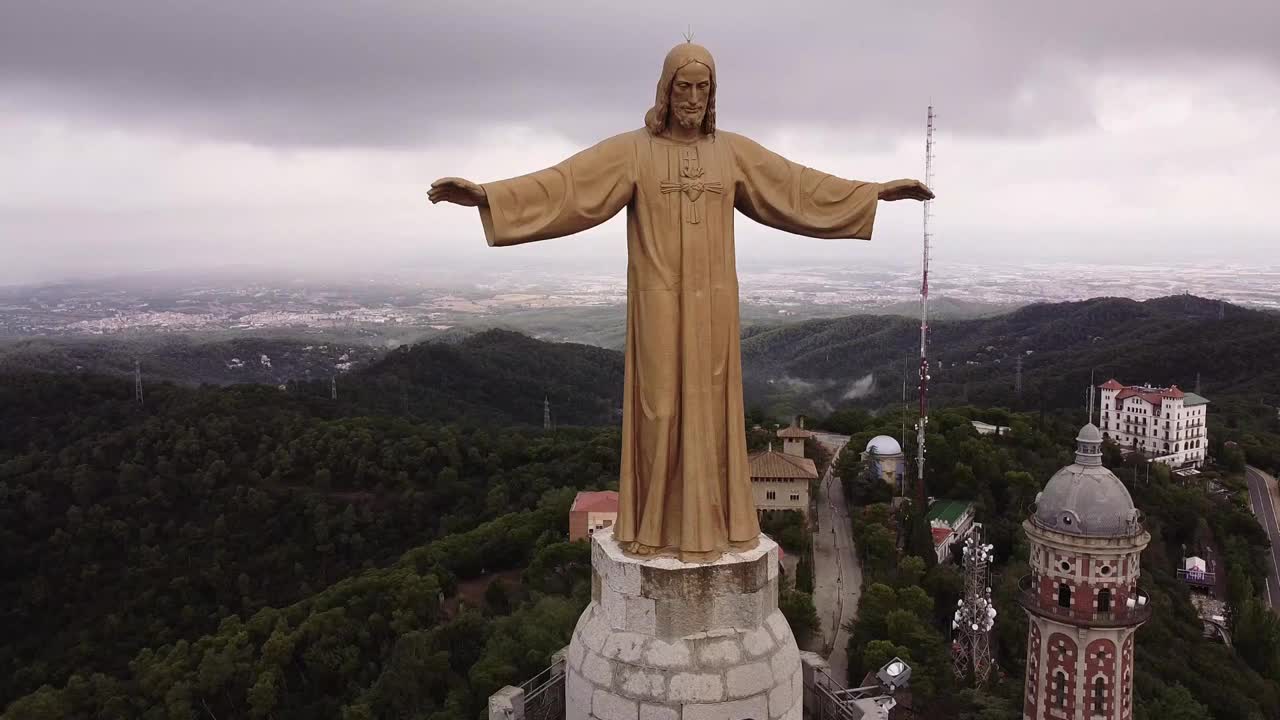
(691, 185)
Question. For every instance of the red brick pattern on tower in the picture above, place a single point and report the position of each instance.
(1126, 680)
(1059, 700)
(1081, 629)
(1032, 693)
(1099, 676)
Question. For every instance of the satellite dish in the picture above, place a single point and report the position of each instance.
(894, 674)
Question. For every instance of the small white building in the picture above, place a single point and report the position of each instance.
(1165, 424)
(950, 521)
(1196, 571)
(989, 429)
(884, 460)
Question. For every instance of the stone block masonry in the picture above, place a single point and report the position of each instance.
(668, 640)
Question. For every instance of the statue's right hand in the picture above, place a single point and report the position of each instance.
(458, 192)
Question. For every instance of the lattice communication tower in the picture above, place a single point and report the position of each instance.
(975, 613)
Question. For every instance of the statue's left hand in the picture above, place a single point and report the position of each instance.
(458, 191)
(905, 189)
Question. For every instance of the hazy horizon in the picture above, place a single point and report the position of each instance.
(461, 271)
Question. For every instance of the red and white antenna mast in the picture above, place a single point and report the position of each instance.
(924, 317)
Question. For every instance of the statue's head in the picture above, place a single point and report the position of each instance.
(686, 91)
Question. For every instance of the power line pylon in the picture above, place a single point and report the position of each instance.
(137, 381)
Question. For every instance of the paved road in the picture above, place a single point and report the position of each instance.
(1262, 500)
(837, 576)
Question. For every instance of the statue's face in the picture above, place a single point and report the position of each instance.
(689, 93)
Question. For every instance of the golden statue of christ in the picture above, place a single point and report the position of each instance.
(685, 486)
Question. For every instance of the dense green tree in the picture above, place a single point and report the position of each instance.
(804, 574)
(797, 606)
(1172, 703)
(496, 598)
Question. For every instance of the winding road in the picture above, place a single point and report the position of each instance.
(1262, 500)
(837, 572)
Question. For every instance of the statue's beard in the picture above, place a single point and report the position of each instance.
(690, 119)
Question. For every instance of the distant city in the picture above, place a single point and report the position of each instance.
(572, 305)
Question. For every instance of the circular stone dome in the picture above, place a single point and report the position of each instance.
(1084, 498)
(884, 445)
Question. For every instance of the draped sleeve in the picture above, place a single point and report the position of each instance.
(782, 194)
(579, 193)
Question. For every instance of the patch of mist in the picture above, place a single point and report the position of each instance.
(796, 384)
(818, 407)
(861, 387)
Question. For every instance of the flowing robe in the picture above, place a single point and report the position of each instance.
(685, 486)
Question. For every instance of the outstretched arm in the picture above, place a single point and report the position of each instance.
(779, 193)
(575, 195)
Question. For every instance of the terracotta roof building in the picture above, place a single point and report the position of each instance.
(591, 511)
(780, 481)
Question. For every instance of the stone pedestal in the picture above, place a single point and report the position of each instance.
(669, 640)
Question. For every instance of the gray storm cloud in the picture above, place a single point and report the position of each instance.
(287, 134)
(387, 73)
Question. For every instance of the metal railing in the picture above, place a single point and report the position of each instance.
(542, 697)
(1119, 615)
(1198, 577)
(834, 702)
(544, 693)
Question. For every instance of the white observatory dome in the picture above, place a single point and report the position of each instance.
(884, 445)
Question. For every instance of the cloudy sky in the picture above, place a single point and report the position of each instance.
(303, 135)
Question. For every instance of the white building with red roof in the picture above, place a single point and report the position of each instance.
(1165, 424)
(591, 511)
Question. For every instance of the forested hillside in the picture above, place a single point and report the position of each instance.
(191, 361)
(1167, 340)
(129, 527)
(251, 551)
(379, 644)
(496, 376)
(811, 367)
(824, 364)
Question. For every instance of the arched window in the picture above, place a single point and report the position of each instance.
(1099, 696)
(1064, 596)
(1060, 689)
(1104, 600)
